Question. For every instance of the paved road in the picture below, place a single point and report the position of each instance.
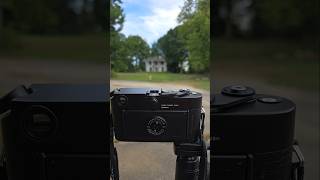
(156, 161)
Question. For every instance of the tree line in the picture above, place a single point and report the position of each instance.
(188, 42)
(49, 17)
(265, 18)
(53, 16)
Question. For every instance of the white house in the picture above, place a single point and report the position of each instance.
(155, 64)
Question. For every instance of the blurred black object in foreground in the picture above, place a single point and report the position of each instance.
(253, 136)
(56, 132)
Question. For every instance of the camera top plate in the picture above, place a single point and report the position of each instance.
(183, 93)
(251, 105)
(255, 123)
(156, 98)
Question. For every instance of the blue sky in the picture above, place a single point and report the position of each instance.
(150, 19)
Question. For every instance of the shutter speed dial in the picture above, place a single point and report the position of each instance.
(157, 126)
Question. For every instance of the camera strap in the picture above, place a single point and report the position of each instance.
(297, 169)
(114, 169)
(222, 103)
(203, 157)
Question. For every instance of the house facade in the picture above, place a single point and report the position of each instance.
(155, 64)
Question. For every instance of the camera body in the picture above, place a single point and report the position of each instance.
(58, 132)
(253, 135)
(156, 115)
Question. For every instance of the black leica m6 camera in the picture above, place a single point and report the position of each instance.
(53, 132)
(253, 136)
(156, 115)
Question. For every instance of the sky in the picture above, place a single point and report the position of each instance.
(150, 19)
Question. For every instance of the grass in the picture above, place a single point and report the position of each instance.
(88, 47)
(279, 62)
(195, 80)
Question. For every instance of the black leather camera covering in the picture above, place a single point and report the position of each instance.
(58, 132)
(155, 115)
(257, 127)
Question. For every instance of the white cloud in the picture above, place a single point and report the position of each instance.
(159, 16)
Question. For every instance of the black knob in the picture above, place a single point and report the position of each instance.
(157, 126)
(122, 100)
(238, 90)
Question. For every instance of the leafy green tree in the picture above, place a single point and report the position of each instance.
(155, 50)
(118, 51)
(195, 31)
(138, 50)
(117, 16)
(173, 49)
(36, 16)
(288, 17)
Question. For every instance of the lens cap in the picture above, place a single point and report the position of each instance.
(238, 90)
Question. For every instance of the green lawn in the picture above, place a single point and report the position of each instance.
(285, 63)
(69, 47)
(195, 80)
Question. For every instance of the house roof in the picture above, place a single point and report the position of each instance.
(155, 58)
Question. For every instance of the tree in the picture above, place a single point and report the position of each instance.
(119, 53)
(172, 47)
(155, 50)
(292, 17)
(116, 16)
(195, 31)
(138, 50)
(1, 16)
(118, 50)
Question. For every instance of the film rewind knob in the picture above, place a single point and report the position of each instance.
(238, 90)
